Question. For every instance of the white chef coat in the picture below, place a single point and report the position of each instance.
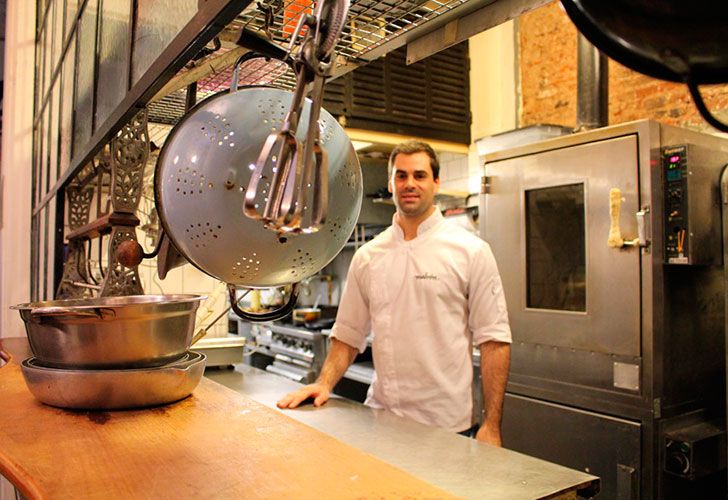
(426, 301)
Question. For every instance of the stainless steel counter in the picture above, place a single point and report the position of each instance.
(459, 465)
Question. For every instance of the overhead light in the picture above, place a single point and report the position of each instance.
(360, 145)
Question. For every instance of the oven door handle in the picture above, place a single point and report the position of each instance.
(642, 220)
(615, 239)
(641, 239)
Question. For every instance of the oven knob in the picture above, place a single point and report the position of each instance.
(678, 463)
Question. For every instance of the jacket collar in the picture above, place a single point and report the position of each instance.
(425, 226)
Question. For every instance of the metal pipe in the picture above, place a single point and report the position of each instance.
(592, 95)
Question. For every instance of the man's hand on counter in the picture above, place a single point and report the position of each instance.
(318, 391)
(337, 361)
(489, 435)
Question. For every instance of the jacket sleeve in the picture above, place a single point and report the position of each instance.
(488, 314)
(353, 322)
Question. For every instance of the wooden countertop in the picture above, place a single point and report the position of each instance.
(214, 444)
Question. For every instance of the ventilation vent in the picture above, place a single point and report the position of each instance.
(430, 98)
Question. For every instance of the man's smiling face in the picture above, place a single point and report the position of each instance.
(413, 185)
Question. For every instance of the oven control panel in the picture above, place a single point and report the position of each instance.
(691, 196)
(677, 233)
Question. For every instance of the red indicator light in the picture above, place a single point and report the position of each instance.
(675, 158)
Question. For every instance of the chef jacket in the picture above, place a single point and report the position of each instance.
(426, 302)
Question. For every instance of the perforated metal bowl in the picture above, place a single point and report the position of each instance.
(202, 175)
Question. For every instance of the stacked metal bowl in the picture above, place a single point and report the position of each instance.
(112, 352)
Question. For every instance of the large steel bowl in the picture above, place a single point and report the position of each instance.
(110, 332)
(114, 389)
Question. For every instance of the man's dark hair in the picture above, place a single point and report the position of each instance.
(412, 147)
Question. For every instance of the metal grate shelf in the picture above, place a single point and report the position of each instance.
(370, 23)
(371, 30)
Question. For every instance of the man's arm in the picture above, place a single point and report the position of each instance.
(339, 358)
(495, 359)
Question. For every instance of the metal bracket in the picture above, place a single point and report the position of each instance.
(75, 270)
(485, 183)
(120, 280)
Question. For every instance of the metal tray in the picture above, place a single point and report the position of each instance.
(114, 389)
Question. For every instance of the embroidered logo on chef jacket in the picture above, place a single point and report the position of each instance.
(426, 276)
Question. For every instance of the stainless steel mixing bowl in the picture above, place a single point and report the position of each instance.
(111, 389)
(110, 332)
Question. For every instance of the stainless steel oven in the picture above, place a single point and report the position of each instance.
(609, 246)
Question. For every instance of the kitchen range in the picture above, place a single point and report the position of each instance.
(297, 350)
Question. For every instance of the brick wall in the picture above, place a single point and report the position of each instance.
(547, 65)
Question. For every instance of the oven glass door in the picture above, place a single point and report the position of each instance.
(547, 221)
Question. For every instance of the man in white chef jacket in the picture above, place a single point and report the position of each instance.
(427, 290)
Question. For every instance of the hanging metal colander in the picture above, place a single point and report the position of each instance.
(201, 180)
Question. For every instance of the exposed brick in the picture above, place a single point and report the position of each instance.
(547, 57)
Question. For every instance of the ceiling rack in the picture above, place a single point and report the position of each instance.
(373, 29)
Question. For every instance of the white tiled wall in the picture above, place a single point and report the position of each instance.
(460, 173)
(188, 279)
(454, 172)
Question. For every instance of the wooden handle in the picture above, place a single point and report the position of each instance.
(615, 204)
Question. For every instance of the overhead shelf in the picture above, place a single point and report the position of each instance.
(373, 29)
